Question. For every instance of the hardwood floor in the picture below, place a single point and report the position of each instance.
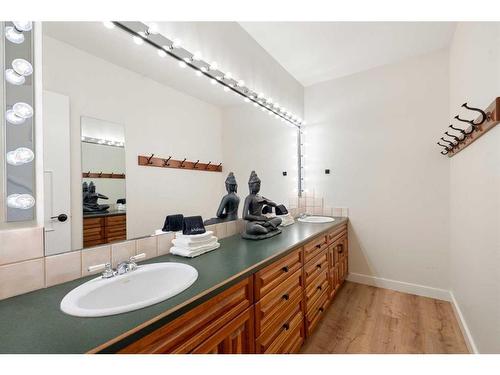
(365, 319)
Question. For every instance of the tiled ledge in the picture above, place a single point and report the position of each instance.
(23, 267)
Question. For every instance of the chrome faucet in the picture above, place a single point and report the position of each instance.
(122, 268)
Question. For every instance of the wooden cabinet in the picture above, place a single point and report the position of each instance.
(272, 311)
(104, 229)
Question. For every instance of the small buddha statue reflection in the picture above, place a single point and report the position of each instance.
(258, 226)
(228, 207)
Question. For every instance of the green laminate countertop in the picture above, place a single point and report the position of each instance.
(33, 322)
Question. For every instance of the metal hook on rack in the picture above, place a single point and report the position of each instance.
(194, 166)
(219, 165)
(447, 141)
(151, 157)
(100, 174)
(458, 129)
(444, 152)
(206, 167)
(165, 161)
(182, 163)
(445, 146)
(454, 137)
(483, 113)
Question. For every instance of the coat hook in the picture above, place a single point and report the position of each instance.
(445, 146)
(100, 174)
(88, 174)
(194, 166)
(206, 167)
(182, 163)
(450, 142)
(458, 129)
(483, 114)
(454, 137)
(165, 161)
(444, 152)
(219, 165)
(151, 157)
(111, 175)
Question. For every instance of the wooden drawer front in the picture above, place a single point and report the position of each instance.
(316, 288)
(93, 222)
(273, 275)
(295, 340)
(116, 230)
(279, 299)
(334, 280)
(116, 220)
(236, 337)
(191, 329)
(342, 270)
(316, 313)
(336, 233)
(313, 248)
(275, 337)
(315, 267)
(332, 256)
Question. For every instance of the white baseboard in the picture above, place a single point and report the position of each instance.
(469, 341)
(400, 286)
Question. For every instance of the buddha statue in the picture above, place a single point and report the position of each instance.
(257, 225)
(228, 207)
(90, 197)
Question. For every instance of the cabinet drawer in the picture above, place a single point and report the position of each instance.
(115, 220)
(191, 329)
(336, 233)
(117, 230)
(276, 335)
(334, 280)
(316, 288)
(313, 248)
(315, 267)
(276, 301)
(93, 222)
(295, 340)
(316, 313)
(273, 275)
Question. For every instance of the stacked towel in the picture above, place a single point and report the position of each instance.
(173, 223)
(193, 245)
(286, 219)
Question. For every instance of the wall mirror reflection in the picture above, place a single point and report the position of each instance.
(107, 101)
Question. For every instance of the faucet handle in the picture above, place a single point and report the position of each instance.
(137, 257)
(108, 271)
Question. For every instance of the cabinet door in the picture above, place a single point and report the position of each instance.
(234, 338)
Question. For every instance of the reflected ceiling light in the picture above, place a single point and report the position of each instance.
(20, 201)
(213, 81)
(108, 25)
(241, 83)
(23, 25)
(204, 69)
(19, 156)
(167, 48)
(176, 43)
(214, 66)
(13, 35)
(197, 55)
(247, 100)
(23, 110)
(162, 53)
(22, 67)
(14, 119)
(138, 40)
(153, 29)
(12, 77)
(198, 73)
(228, 75)
(182, 64)
(226, 89)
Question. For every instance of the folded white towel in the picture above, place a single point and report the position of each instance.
(192, 254)
(286, 220)
(185, 243)
(194, 237)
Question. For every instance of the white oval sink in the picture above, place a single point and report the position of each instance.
(316, 219)
(145, 286)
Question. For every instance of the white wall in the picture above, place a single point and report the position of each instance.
(157, 120)
(254, 140)
(475, 186)
(377, 132)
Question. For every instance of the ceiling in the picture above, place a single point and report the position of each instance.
(117, 47)
(313, 52)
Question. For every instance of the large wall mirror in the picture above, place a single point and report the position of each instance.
(107, 100)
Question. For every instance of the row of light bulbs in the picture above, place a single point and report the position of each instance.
(20, 111)
(101, 141)
(213, 72)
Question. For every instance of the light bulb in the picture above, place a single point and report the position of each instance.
(182, 64)
(188, 59)
(214, 66)
(19, 156)
(13, 119)
(219, 78)
(23, 25)
(213, 81)
(197, 55)
(176, 43)
(228, 75)
(13, 35)
(23, 110)
(241, 83)
(260, 95)
(167, 48)
(108, 25)
(162, 53)
(12, 77)
(204, 69)
(20, 201)
(22, 67)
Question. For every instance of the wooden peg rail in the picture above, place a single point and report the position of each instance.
(151, 161)
(102, 175)
(493, 118)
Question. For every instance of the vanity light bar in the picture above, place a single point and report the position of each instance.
(141, 34)
(100, 141)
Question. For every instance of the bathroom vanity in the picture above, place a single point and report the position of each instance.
(250, 297)
(106, 227)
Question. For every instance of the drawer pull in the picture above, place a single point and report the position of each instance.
(286, 326)
(285, 269)
(285, 297)
(320, 287)
(318, 246)
(321, 309)
(318, 265)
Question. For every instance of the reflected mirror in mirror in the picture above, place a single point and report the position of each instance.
(99, 84)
